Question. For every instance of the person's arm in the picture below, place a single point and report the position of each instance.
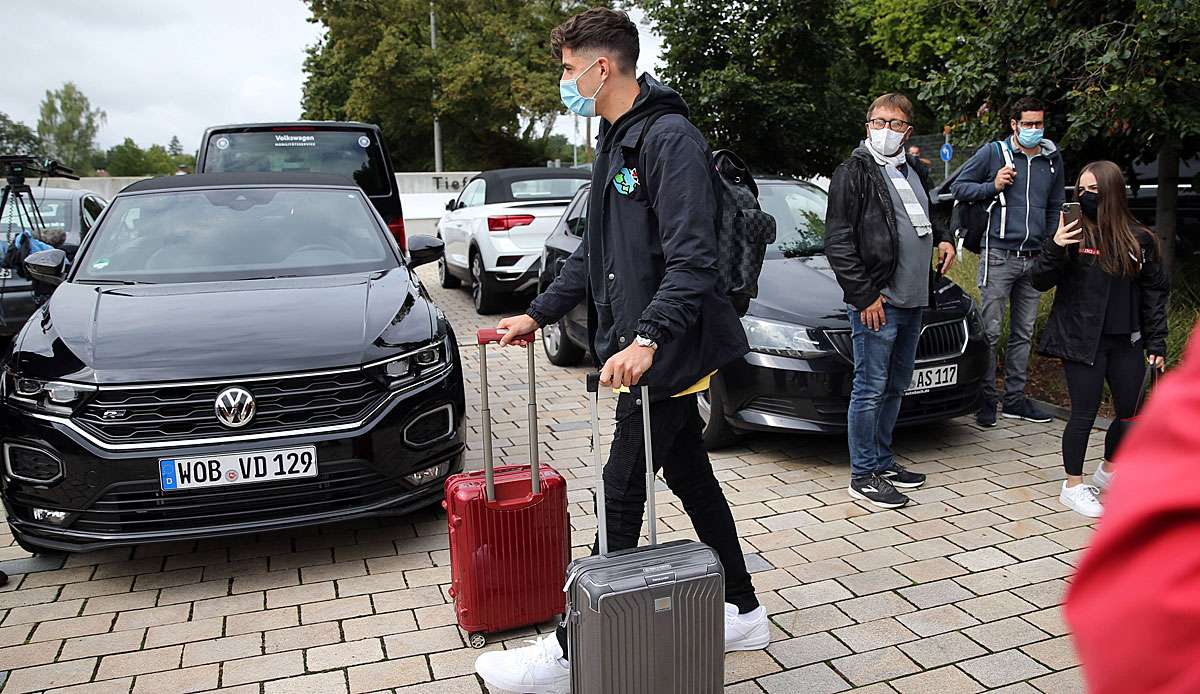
(1155, 286)
(565, 292)
(1054, 201)
(1051, 264)
(842, 214)
(976, 181)
(680, 189)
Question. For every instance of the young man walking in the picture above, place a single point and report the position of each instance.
(879, 240)
(1027, 169)
(647, 268)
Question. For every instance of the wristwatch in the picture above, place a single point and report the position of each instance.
(642, 341)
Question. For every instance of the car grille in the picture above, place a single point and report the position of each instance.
(171, 412)
(938, 341)
(137, 507)
(949, 402)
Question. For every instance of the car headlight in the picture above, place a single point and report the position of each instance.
(58, 397)
(401, 370)
(784, 339)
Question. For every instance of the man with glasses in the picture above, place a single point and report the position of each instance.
(1023, 174)
(879, 239)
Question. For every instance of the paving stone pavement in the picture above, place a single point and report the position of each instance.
(958, 592)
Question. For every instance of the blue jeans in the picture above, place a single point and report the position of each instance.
(883, 367)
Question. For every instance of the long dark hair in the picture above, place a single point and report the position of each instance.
(1114, 231)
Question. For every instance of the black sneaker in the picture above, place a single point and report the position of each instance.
(899, 477)
(986, 416)
(876, 490)
(1027, 410)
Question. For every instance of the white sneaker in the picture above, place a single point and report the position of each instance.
(535, 669)
(1082, 498)
(746, 632)
(1103, 478)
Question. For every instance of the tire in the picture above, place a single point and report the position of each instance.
(559, 348)
(717, 432)
(448, 279)
(483, 295)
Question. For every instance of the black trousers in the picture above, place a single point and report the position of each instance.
(676, 436)
(1123, 365)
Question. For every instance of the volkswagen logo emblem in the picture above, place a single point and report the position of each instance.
(235, 407)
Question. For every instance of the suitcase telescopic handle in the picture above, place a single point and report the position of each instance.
(485, 337)
(643, 396)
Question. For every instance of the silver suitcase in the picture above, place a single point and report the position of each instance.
(649, 620)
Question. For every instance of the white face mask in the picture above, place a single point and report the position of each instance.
(887, 141)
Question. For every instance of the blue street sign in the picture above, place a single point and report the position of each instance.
(946, 152)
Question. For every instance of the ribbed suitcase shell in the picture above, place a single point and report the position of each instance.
(649, 620)
(507, 557)
(507, 553)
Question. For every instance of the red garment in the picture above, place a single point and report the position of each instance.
(1134, 604)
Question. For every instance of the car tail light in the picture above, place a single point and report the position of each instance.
(508, 221)
(396, 226)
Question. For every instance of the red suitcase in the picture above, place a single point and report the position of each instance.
(510, 536)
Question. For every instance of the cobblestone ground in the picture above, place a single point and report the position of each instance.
(958, 592)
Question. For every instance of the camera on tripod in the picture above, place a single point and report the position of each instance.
(31, 233)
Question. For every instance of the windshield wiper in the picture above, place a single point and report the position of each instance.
(270, 277)
(113, 282)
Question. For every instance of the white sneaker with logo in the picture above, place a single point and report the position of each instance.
(535, 669)
(1082, 498)
(1102, 477)
(746, 632)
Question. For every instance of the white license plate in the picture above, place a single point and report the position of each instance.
(925, 380)
(194, 472)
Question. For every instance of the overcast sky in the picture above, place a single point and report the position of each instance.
(169, 67)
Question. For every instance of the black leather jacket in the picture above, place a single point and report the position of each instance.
(861, 242)
(1077, 318)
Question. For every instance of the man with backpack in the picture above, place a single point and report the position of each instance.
(648, 268)
(1020, 179)
(879, 240)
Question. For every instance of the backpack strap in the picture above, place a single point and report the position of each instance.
(1006, 153)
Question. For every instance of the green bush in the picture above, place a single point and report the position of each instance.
(1182, 313)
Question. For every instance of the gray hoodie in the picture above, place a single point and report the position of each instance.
(1033, 199)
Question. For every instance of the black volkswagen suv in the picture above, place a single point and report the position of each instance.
(798, 373)
(230, 353)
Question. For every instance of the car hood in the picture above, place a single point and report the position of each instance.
(143, 333)
(805, 291)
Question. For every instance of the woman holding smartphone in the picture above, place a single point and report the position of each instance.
(1109, 318)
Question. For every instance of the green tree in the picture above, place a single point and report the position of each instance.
(768, 79)
(127, 159)
(492, 72)
(68, 125)
(18, 138)
(174, 147)
(158, 161)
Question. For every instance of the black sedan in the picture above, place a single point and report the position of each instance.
(231, 353)
(68, 215)
(798, 374)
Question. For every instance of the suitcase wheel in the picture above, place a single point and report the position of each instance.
(478, 640)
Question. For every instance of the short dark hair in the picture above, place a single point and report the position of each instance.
(896, 101)
(1027, 103)
(602, 29)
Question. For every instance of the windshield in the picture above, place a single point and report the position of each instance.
(353, 154)
(546, 188)
(799, 212)
(55, 213)
(235, 234)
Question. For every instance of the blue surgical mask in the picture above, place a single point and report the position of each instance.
(568, 91)
(1029, 137)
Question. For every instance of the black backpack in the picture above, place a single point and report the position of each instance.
(743, 230)
(971, 219)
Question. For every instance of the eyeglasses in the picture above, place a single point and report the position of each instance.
(895, 124)
(1032, 124)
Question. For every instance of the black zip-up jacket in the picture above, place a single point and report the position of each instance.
(1077, 318)
(861, 241)
(648, 261)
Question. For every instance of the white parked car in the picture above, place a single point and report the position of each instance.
(495, 230)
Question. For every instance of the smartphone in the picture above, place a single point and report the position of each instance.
(1071, 212)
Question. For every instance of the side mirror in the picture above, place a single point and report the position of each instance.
(48, 267)
(422, 249)
(450, 205)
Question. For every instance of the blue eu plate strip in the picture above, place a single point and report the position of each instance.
(166, 470)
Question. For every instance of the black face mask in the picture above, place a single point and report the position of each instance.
(1089, 204)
